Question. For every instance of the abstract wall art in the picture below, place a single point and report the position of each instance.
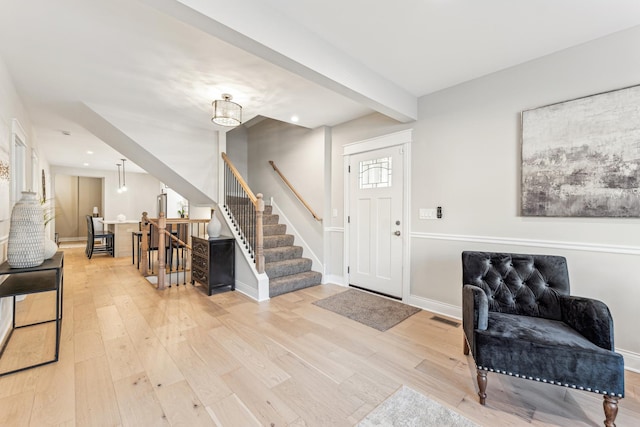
(581, 158)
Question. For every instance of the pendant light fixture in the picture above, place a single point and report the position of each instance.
(122, 179)
(119, 178)
(124, 176)
(226, 112)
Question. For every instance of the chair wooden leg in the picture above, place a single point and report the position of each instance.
(610, 410)
(482, 385)
(465, 345)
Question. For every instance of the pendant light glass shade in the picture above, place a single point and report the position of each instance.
(119, 178)
(225, 112)
(122, 178)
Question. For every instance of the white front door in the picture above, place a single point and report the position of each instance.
(375, 220)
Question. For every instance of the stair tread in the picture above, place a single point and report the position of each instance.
(278, 240)
(288, 261)
(274, 229)
(294, 282)
(280, 253)
(270, 219)
(287, 267)
(283, 248)
(292, 277)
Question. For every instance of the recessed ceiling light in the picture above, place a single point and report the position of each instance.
(89, 152)
(295, 119)
(65, 132)
(85, 164)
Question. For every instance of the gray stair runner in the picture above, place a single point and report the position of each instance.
(284, 265)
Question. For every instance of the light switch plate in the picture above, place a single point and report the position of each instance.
(427, 213)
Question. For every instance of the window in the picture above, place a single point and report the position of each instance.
(375, 173)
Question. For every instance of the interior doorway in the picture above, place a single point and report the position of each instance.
(75, 198)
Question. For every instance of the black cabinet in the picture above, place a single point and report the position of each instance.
(47, 277)
(213, 262)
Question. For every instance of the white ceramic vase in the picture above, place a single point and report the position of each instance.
(214, 226)
(25, 247)
(50, 248)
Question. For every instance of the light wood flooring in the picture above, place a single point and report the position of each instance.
(134, 356)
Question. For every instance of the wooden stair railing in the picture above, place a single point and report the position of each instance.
(246, 211)
(161, 225)
(286, 181)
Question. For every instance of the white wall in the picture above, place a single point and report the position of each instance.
(238, 149)
(174, 203)
(466, 158)
(11, 108)
(191, 152)
(356, 130)
(299, 154)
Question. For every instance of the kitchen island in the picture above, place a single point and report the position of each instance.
(122, 235)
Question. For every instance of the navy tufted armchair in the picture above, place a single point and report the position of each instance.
(520, 320)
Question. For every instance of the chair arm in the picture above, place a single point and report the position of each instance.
(590, 317)
(475, 311)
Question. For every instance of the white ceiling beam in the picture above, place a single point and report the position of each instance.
(262, 31)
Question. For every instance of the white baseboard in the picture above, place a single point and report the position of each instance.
(73, 239)
(332, 278)
(434, 306)
(249, 291)
(631, 360)
(254, 293)
(263, 287)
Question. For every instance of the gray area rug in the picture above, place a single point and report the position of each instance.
(408, 408)
(377, 312)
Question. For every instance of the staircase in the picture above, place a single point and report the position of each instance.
(284, 265)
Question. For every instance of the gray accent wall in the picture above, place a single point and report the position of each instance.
(299, 154)
(466, 156)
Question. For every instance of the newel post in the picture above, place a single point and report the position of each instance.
(259, 234)
(144, 244)
(162, 225)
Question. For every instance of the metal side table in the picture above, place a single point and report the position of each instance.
(47, 277)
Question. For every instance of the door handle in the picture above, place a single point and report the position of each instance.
(397, 233)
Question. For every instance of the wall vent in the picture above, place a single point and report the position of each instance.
(445, 321)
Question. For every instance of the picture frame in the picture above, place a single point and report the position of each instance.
(5, 173)
(5, 185)
(44, 188)
(581, 158)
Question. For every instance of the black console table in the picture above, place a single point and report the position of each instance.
(47, 277)
(213, 262)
